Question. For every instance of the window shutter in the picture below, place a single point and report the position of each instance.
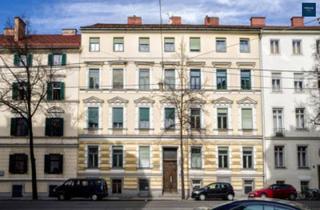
(47, 164)
(50, 59)
(48, 127)
(62, 90)
(15, 91)
(64, 59)
(13, 129)
(29, 60)
(61, 126)
(60, 164)
(16, 60)
(117, 115)
(25, 163)
(11, 164)
(49, 91)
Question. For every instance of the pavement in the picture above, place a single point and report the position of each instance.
(117, 205)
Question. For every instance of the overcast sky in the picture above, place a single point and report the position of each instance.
(50, 16)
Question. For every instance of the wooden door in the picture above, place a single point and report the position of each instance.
(170, 176)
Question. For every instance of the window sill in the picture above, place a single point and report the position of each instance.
(304, 168)
(196, 169)
(144, 129)
(169, 129)
(277, 91)
(92, 129)
(249, 169)
(222, 129)
(117, 129)
(280, 168)
(142, 168)
(117, 168)
(301, 129)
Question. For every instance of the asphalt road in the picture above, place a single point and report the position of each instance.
(117, 205)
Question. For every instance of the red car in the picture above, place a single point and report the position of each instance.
(281, 191)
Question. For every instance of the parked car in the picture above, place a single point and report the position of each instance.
(281, 191)
(94, 188)
(259, 204)
(214, 190)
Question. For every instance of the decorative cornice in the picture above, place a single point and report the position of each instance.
(93, 99)
(196, 63)
(144, 100)
(118, 100)
(144, 63)
(222, 100)
(196, 100)
(246, 64)
(224, 64)
(117, 62)
(170, 63)
(55, 109)
(246, 100)
(98, 63)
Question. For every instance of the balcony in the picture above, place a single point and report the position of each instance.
(279, 132)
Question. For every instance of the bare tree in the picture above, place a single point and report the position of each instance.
(24, 84)
(183, 97)
(315, 88)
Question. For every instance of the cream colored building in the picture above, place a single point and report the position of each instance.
(124, 121)
(55, 123)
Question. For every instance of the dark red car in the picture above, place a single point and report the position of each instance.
(281, 191)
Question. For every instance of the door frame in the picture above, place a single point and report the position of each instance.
(162, 162)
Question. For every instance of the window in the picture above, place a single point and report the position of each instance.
(221, 79)
(280, 182)
(302, 157)
(55, 91)
(94, 44)
(19, 127)
(244, 45)
(276, 82)
(195, 79)
(117, 157)
(247, 158)
(19, 90)
(274, 46)
(296, 47)
(169, 44)
(53, 164)
(169, 122)
(144, 157)
(144, 44)
(21, 60)
(118, 44)
(169, 79)
(94, 78)
(221, 45)
(116, 186)
(195, 44)
(318, 46)
(54, 126)
(196, 158)
(279, 156)
(223, 157)
(222, 118)
(144, 79)
(117, 79)
(144, 119)
(143, 185)
(278, 121)
(117, 117)
(196, 184)
(248, 186)
(93, 117)
(57, 59)
(304, 186)
(246, 114)
(195, 118)
(300, 118)
(93, 157)
(298, 82)
(245, 79)
(18, 164)
(17, 191)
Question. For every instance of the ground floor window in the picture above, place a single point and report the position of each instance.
(248, 185)
(304, 186)
(143, 185)
(196, 184)
(280, 182)
(16, 190)
(116, 186)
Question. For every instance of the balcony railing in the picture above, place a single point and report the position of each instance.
(279, 132)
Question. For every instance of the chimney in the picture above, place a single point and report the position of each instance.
(69, 31)
(19, 29)
(258, 21)
(211, 21)
(175, 20)
(8, 32)
(297, 22)
(134, 20)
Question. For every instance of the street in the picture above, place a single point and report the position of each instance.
(116, 205)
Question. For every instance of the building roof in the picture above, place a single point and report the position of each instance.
(45, 41)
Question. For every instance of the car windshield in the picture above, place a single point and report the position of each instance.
(212, 186)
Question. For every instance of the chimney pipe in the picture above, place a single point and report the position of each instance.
(69, 31)
(258, 21)
(297, 21)
(134, 20)
(211, 21)
(19, 29)
(175, 20)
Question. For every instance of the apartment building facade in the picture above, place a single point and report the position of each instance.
(55, 122)
(128, 133)
(290, 85)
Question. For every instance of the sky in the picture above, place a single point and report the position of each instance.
(50, 16)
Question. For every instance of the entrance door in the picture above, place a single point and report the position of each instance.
(319, 176)
(170, 170)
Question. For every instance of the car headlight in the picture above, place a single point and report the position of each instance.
(196, 192)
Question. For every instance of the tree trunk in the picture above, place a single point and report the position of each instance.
(33, 162)
(182, 163)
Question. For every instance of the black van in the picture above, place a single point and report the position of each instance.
(215, 190)
(94, 188)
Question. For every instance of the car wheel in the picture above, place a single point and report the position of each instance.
(202, 197)
(292, 196)
(263, 195)
(230, 197)
(94, 197)
(61, 197)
